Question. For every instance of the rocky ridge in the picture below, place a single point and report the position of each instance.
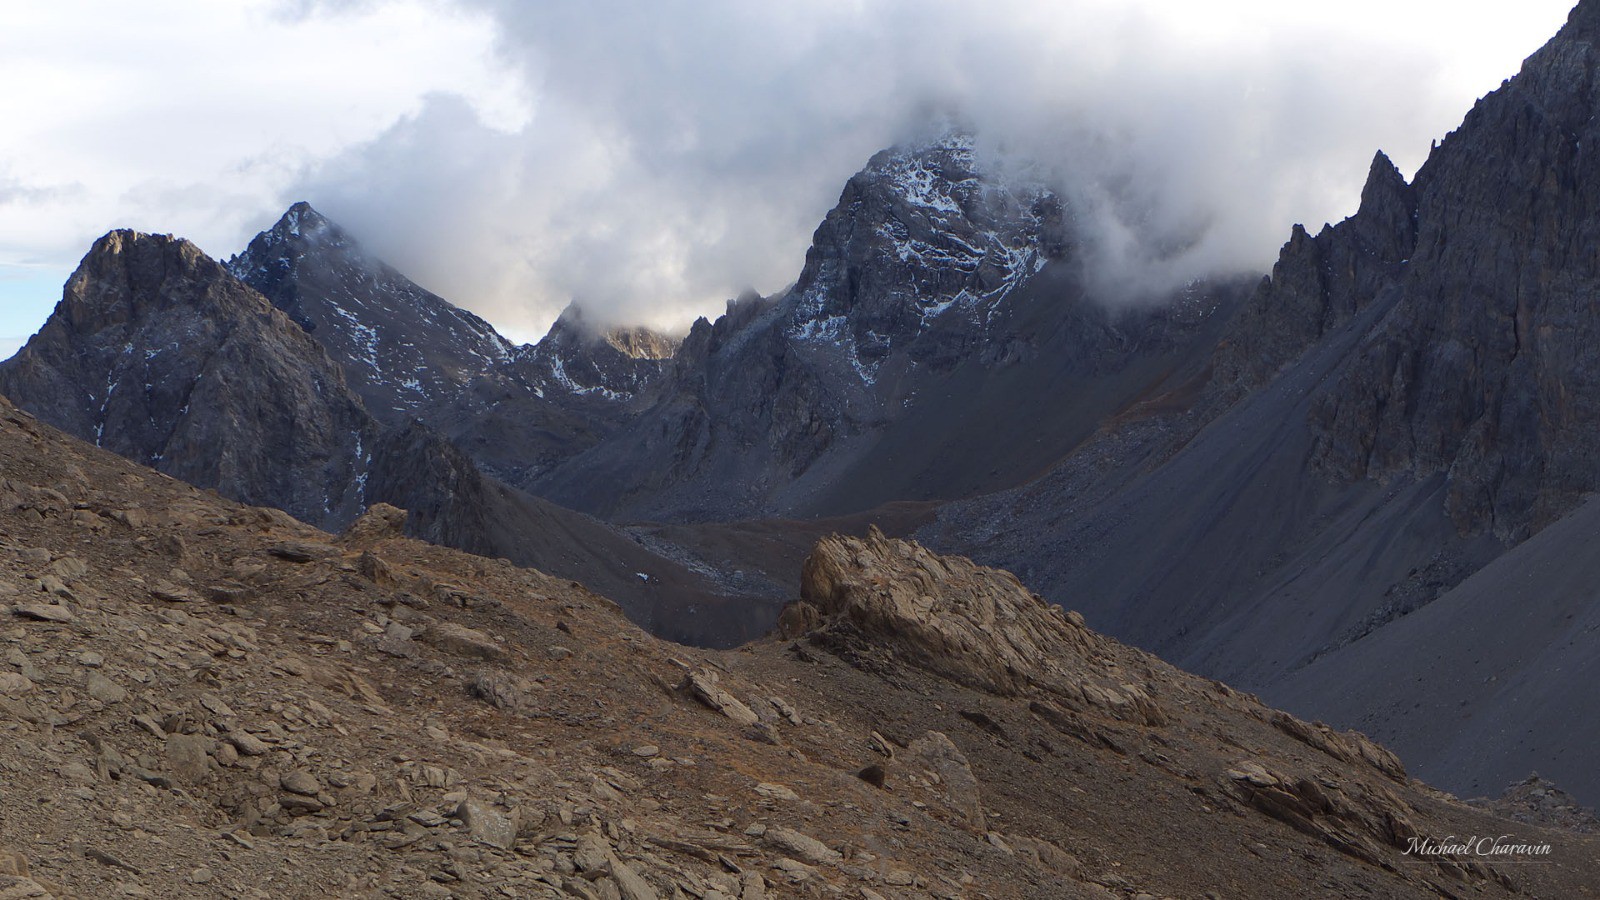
(217, 700)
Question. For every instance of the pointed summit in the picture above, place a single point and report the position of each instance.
(921, 236)
(402, 347)
(302, 221)
(1386, 222)
(1384, 183)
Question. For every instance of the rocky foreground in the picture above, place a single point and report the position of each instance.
(203, 699)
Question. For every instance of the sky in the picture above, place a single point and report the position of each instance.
(652, 158)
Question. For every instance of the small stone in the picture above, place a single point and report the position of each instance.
(301, 552)
(299, 781)
(169, 592)
(630, 884)
(427, 818)
(104, 689)
(68, 568)
(91, 659)
(1254, 773)
(776, 792)
(558, 653)
(802, 845)
(463, 641)
(300, 805)
(703, 685)
(189, 756)
(202, 875)
(54, 586)
(592, 856)
(13, 684)
(44, 612)
(646, 751)
(76, 771)
(486, 825)
(248, 744)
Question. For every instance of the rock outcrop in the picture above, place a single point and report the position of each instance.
(977, 625)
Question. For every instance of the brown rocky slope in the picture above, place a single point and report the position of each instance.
(204, 699)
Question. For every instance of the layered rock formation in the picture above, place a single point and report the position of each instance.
(1482, 368)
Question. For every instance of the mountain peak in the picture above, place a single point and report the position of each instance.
(302, 221)
(157, 269)
(921, 234)
(401, 346)
(1387, 195)
(577, 328)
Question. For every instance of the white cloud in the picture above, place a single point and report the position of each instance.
(193, 117)
(654, 158)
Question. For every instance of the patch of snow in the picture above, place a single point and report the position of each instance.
(558, 373)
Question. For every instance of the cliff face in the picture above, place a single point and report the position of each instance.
(1320, 283)
(1485, 368)
(1481, 368)
(156, 353)
(1408, 398)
